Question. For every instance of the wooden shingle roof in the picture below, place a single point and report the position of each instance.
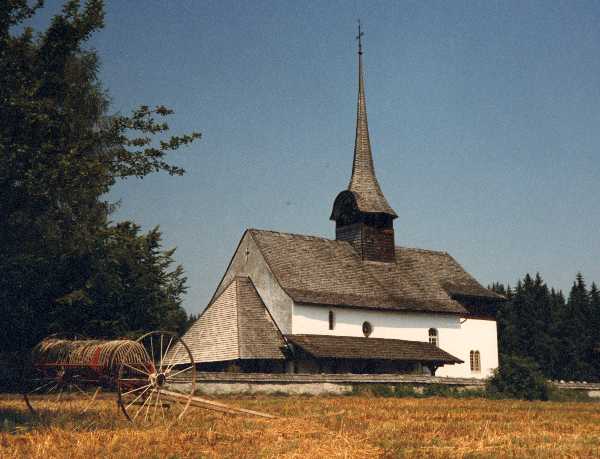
(363, 183)
(259, 337)
(314, 270)
(352, 347)
(237, 325)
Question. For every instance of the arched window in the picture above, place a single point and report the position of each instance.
(433, 337)
(475, 358)
(331, 320)
(367, 329)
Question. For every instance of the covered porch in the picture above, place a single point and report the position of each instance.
(359, 355)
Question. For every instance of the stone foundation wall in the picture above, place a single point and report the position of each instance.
(339, 384)
(225, 388)
(318, 384)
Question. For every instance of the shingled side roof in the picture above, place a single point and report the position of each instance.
(237, 325)
(352, 347)
(259, 337)
(316, 270)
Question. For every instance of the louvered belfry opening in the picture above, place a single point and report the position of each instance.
(371, 234)
(362, 214)
(372, 237)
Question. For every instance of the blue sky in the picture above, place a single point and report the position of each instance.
(484, 120)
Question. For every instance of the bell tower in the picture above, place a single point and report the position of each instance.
(361, 213)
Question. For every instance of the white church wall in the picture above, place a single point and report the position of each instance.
(454, 337)
(474, 335)
(314, 320)
(248, 261)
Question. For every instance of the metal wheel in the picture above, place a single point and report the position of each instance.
(157, 388)
(49, 389)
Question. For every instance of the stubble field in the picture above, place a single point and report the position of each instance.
(354, 426)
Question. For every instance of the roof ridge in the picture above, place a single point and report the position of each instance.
(322, 238)
(417, 249)
(285, 233)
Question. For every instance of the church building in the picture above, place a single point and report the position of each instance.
(354, 304)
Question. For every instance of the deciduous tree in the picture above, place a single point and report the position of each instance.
(60, 152)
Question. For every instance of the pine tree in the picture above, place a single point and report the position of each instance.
(497, 287)
(132, 288)
(557, 311)
(540, 317)
(529, 322)
(561, 336)
(594, 326)
(506, 324)
(576, 335)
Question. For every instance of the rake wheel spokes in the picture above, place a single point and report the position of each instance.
(157, 388)
(51, 390)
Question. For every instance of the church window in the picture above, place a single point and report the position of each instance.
(367, 329)
(433, 337)
(475, 358)
(331, 320)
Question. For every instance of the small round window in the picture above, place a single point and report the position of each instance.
(367, 329)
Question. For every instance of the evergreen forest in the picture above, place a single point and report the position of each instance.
(561, 335)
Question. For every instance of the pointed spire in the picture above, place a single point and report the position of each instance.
(363, 181)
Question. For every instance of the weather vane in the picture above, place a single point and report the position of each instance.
(358, 37)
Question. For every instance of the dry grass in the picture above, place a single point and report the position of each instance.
(356, 426)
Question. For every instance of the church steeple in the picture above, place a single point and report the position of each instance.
(363, 181)
(362, 214)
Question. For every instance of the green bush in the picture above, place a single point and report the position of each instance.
(384, 390)
(438, 390)
(518, 377)
(566, 395)
(442, 390)
(402, 390)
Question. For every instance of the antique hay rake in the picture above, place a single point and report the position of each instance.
(154, 377)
